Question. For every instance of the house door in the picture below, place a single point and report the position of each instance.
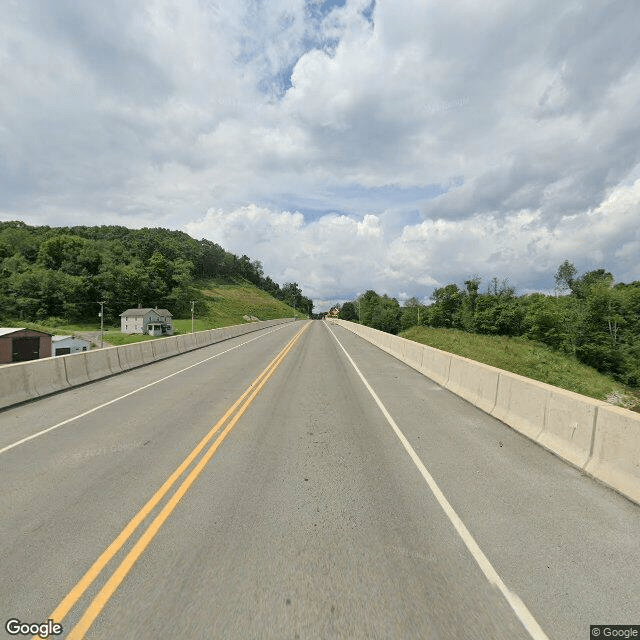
(25, 349)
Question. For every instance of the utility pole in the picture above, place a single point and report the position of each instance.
(101, 322)
(193, 302)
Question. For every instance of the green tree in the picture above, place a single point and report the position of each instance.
(348, 312)
(582, 286)
(413, 313)
(565, 276)
(386, 315)
(546, 320)
(445, 310)
(71, 254)
(292, 295)
(498, 311)
(469, 303)
(367, 303)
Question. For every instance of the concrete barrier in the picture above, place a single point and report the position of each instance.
(522, 403)
(129, 356)
(135, 355)
(165, 347)
(414, 352)
(102, 363)
(397, 346)
(592, 435)
(75, 365)
(473, 381)
(146, 350)
(186, 342)
(383, 340)
(569, 425)
(27, 380)
(436, 365)
(202, 338)
(616, 450)
(24, 381)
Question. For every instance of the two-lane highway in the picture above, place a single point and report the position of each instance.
(299, 483)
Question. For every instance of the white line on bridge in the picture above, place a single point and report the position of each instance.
(126, 395)
(516, 604)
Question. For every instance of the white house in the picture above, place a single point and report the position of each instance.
(155, 322)
(62, 345)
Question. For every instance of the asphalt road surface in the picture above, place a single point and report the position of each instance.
(298, 482)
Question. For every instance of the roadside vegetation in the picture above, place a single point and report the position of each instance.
(528, 358)
(224, 303)
(590, 321)
(61, 274)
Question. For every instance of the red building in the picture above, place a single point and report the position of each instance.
(20, 345)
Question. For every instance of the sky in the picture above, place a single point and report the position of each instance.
(347, 144)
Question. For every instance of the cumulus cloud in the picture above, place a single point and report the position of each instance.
(333, 255)
(344, 256)
(348, 145)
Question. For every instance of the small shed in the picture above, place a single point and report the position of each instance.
(63, 345)
(18, 344)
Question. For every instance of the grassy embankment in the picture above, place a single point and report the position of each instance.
(531, 359)
(225, 304)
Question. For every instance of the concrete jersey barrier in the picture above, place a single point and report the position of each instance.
(599, 438)
(616, 450)
(23, 381)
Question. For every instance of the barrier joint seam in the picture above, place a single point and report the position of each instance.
(495, 397)
(446, 382)
(593, 435)
(547, 408)
(66, 373)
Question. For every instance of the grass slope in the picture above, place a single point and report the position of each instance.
(227, 303)
(528, 358)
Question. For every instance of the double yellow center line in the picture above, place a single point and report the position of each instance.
(230, 418)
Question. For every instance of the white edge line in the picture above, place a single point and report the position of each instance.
(126, 395)
(516, 604)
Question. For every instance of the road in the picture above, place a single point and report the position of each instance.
(298, 482)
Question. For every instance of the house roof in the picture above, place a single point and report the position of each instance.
(58, 338)
(7, 330)
(143, 312)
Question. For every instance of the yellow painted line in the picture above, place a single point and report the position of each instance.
(126, 395)
(83, 584)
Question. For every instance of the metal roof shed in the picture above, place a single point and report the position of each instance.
(18, 344)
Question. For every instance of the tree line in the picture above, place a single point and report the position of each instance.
(61, 272)
(589, 316)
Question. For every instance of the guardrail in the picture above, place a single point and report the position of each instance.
(25, 381)
(598, 438)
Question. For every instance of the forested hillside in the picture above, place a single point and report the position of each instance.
(61, 272)
(590, 316)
